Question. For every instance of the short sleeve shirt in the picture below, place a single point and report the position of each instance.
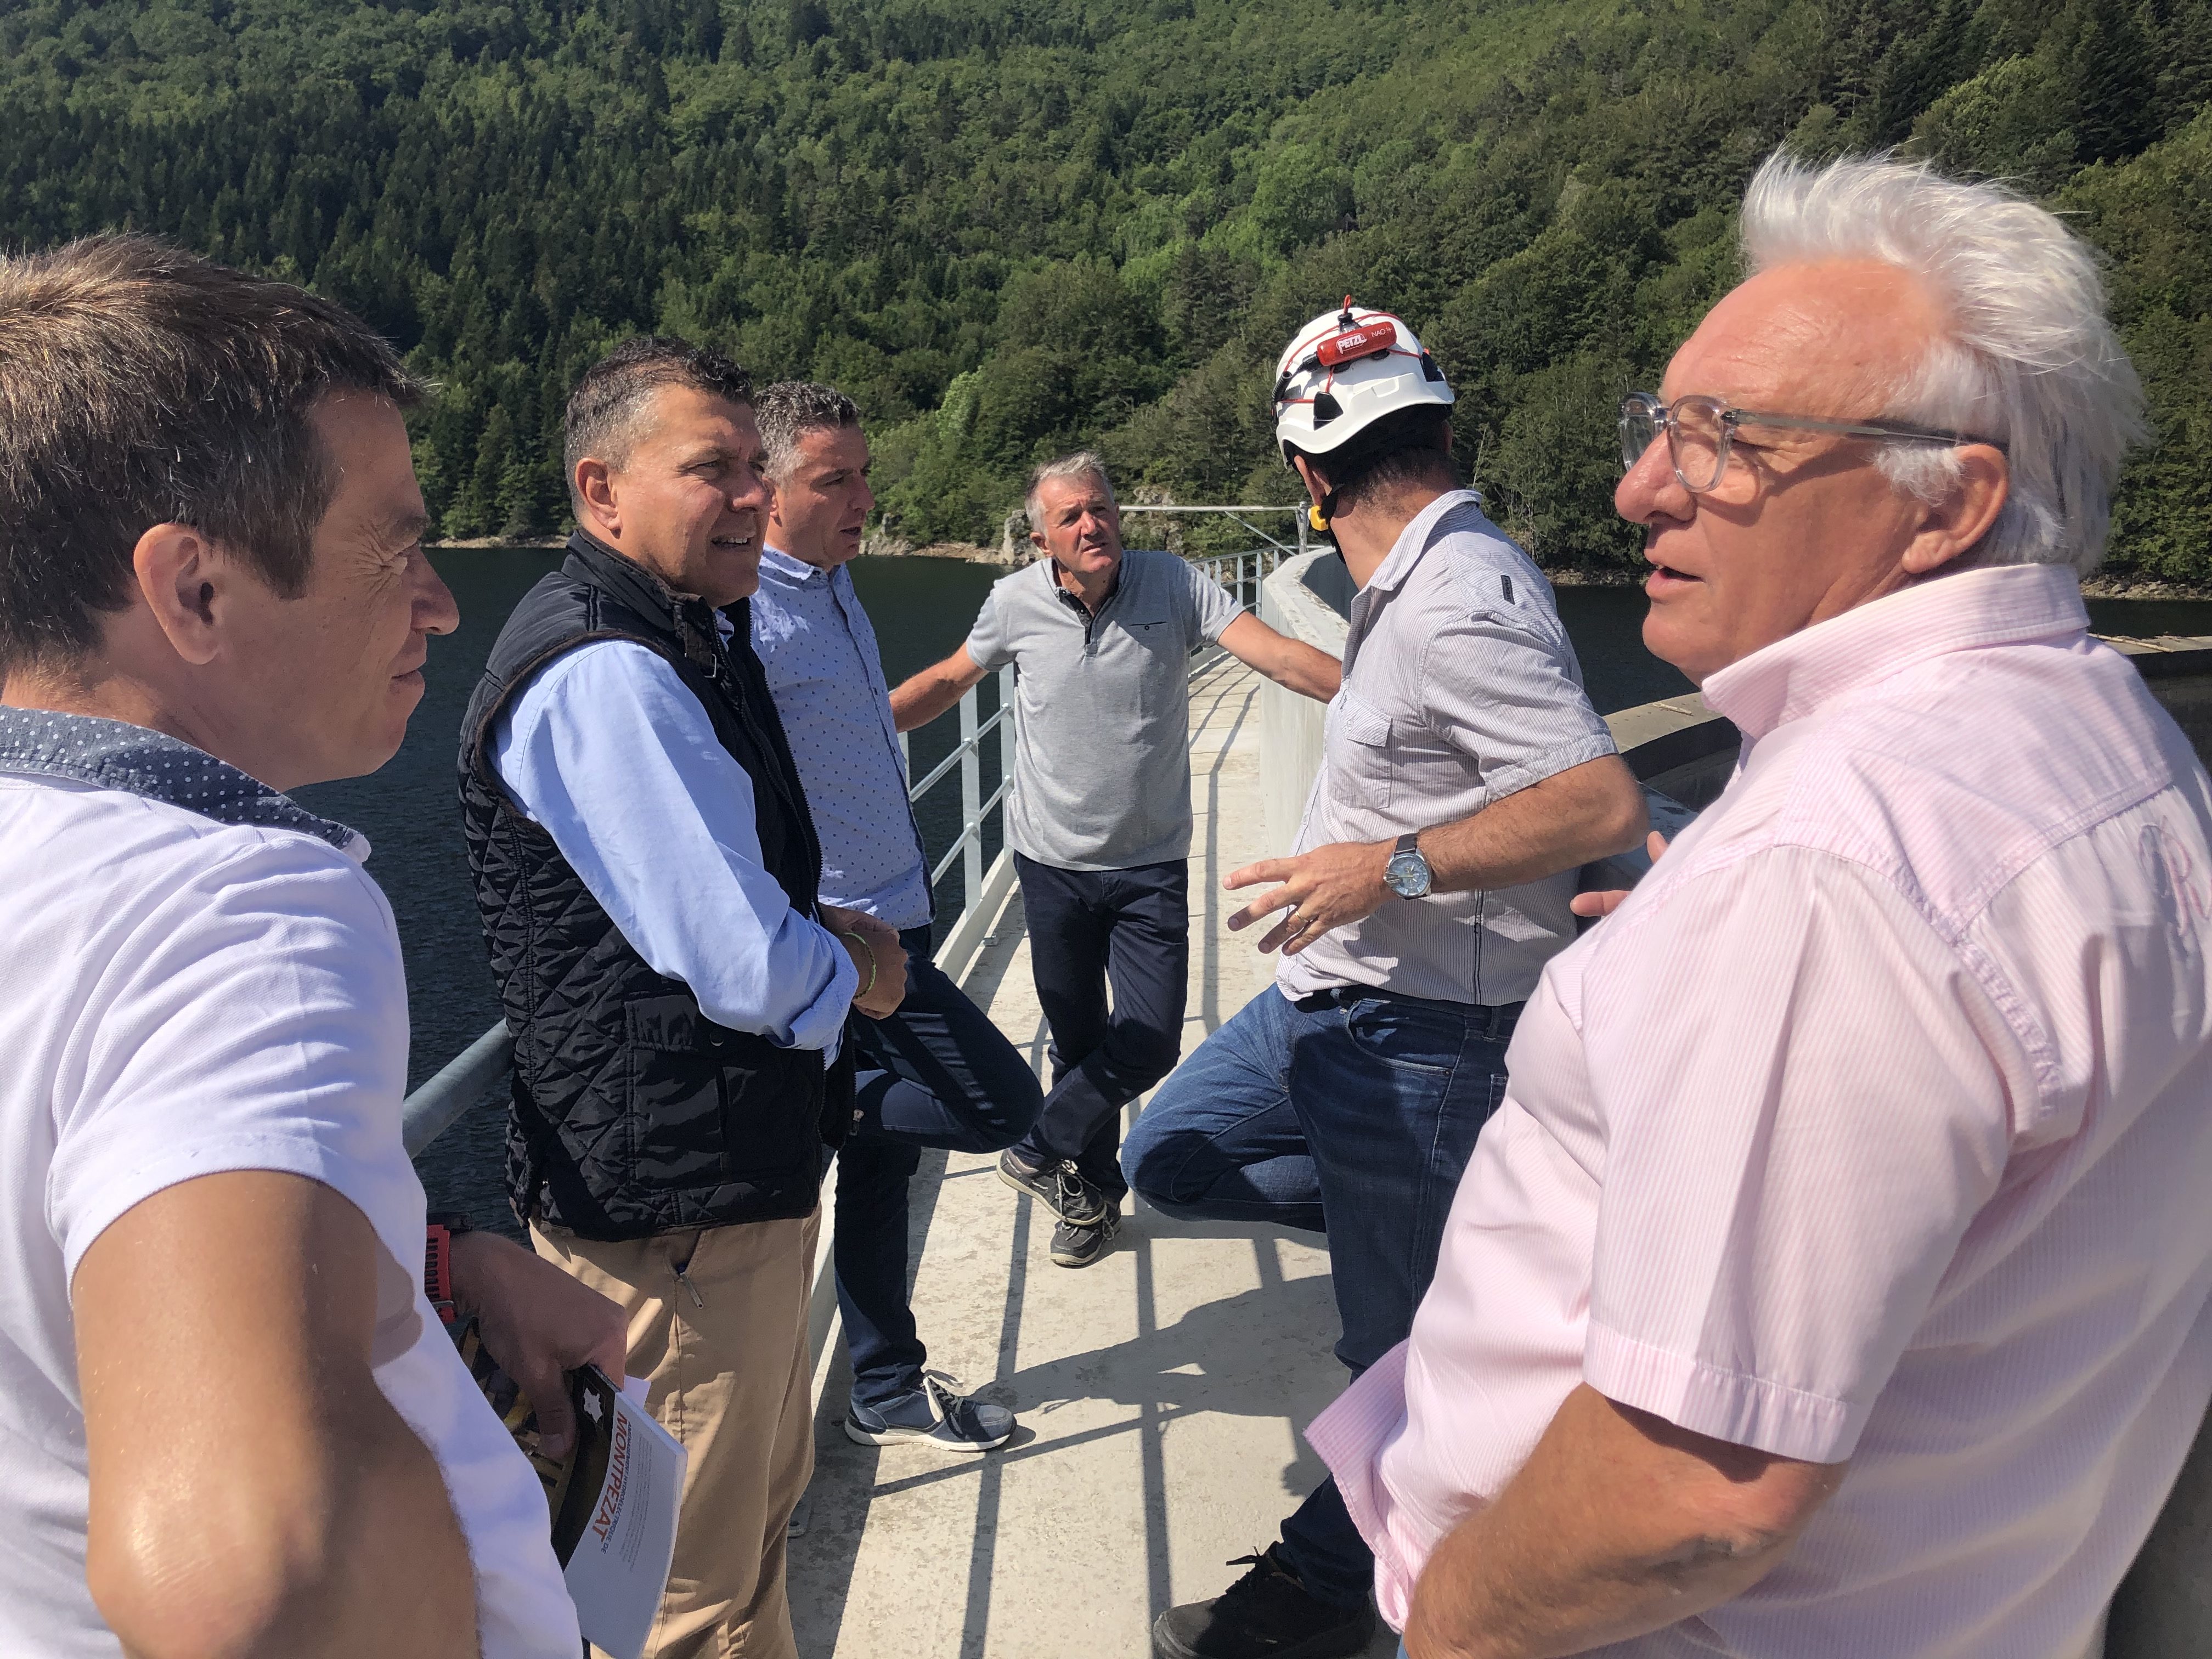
(1876, 1126)
(1459, 688)
(181, 998)
(1101, 764)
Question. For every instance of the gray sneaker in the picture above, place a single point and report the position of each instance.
(1060, 1187)
(936, 1412)
(1079, 1247)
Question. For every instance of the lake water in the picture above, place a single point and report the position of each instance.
(921, 609)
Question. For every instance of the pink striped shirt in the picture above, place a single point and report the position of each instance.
(1876, 1125)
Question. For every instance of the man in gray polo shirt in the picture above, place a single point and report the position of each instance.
(1099, 818)
(1464, 778)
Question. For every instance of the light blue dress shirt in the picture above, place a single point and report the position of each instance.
(611, 755)
(815, 641)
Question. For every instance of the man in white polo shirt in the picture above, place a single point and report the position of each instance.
(1833, 1281)
(230, 1422)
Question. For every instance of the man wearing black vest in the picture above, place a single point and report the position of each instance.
(646, 871)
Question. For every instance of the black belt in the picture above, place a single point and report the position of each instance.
(1502, 1016)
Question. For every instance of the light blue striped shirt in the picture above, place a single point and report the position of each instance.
(814, 638)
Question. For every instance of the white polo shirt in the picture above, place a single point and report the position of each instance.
(182, 996)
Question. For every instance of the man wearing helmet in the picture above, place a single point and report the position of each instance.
(1464, 779)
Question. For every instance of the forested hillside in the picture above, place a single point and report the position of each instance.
(1008, 225)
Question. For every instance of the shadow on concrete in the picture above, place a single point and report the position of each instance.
(837, 1503)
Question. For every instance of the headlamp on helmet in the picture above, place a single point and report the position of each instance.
(1346, 370)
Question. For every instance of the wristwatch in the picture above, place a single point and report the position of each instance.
(1407, 873)
(443, 1227)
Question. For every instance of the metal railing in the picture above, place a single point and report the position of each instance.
(473, 1074)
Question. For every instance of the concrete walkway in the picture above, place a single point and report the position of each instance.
(1159, 1392)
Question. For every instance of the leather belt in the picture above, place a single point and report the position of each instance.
(1502, 1016)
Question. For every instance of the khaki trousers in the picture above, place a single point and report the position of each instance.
(724, 1347)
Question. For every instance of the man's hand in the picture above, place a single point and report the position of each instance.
(1330, 887)
(1604, 904)
(876, 954)
(540, 1324)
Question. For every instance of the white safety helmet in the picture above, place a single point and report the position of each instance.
(1346, 370)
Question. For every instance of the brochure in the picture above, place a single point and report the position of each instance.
(613, 1500)
(615, 1532)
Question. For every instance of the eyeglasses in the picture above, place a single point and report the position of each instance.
(1700, 431)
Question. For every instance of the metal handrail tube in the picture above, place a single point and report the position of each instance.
(968, 705)
(971, 830)
(460, 1084)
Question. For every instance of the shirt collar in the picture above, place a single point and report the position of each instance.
(777, 562)
(2002, 605)
(139, 761)
(1413, 540)
(1074, 600)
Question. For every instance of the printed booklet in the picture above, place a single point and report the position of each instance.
(613, 1499)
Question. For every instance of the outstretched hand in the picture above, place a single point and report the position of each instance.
(1331, 886)
(1604, 904)
(540, 1324)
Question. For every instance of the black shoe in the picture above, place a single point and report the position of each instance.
(1266, 1614)
(1079, 1247)
(1057, 1186)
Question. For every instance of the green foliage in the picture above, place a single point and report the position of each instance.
(1010, 226)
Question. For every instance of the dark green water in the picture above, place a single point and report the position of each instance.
(921, 609)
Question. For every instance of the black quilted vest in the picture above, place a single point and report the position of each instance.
(633, 1113)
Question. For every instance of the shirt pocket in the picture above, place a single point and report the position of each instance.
(1358, 752)
(1160, 670)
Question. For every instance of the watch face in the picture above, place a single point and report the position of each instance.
(1406, 874)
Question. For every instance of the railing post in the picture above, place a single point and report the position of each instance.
(1301, 530)
(1006, 739)
(971, 798)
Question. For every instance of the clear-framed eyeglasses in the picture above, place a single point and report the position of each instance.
(1701, 430)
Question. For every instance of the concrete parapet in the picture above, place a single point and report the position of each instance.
(1290, 725)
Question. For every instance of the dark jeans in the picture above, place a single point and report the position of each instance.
(1352, 1114)
(1091, 929)
(948, 1079)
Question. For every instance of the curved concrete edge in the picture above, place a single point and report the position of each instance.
(1290, 725)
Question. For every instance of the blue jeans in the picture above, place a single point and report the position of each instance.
(1352, 1113)
(950, 1079)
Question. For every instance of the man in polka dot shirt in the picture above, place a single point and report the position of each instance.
(935, 1072)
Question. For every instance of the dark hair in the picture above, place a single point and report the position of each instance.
(601, 422)
(1406, 447)
(789, 409)
(141, 384)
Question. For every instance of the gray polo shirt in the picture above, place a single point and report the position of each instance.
(1459, 688)
(1101, 764)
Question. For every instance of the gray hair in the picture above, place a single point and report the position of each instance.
(1083, 464)
(2030, 361)
(789, 409)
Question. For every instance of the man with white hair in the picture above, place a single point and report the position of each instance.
(1833, 1279)
(1099, 819)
